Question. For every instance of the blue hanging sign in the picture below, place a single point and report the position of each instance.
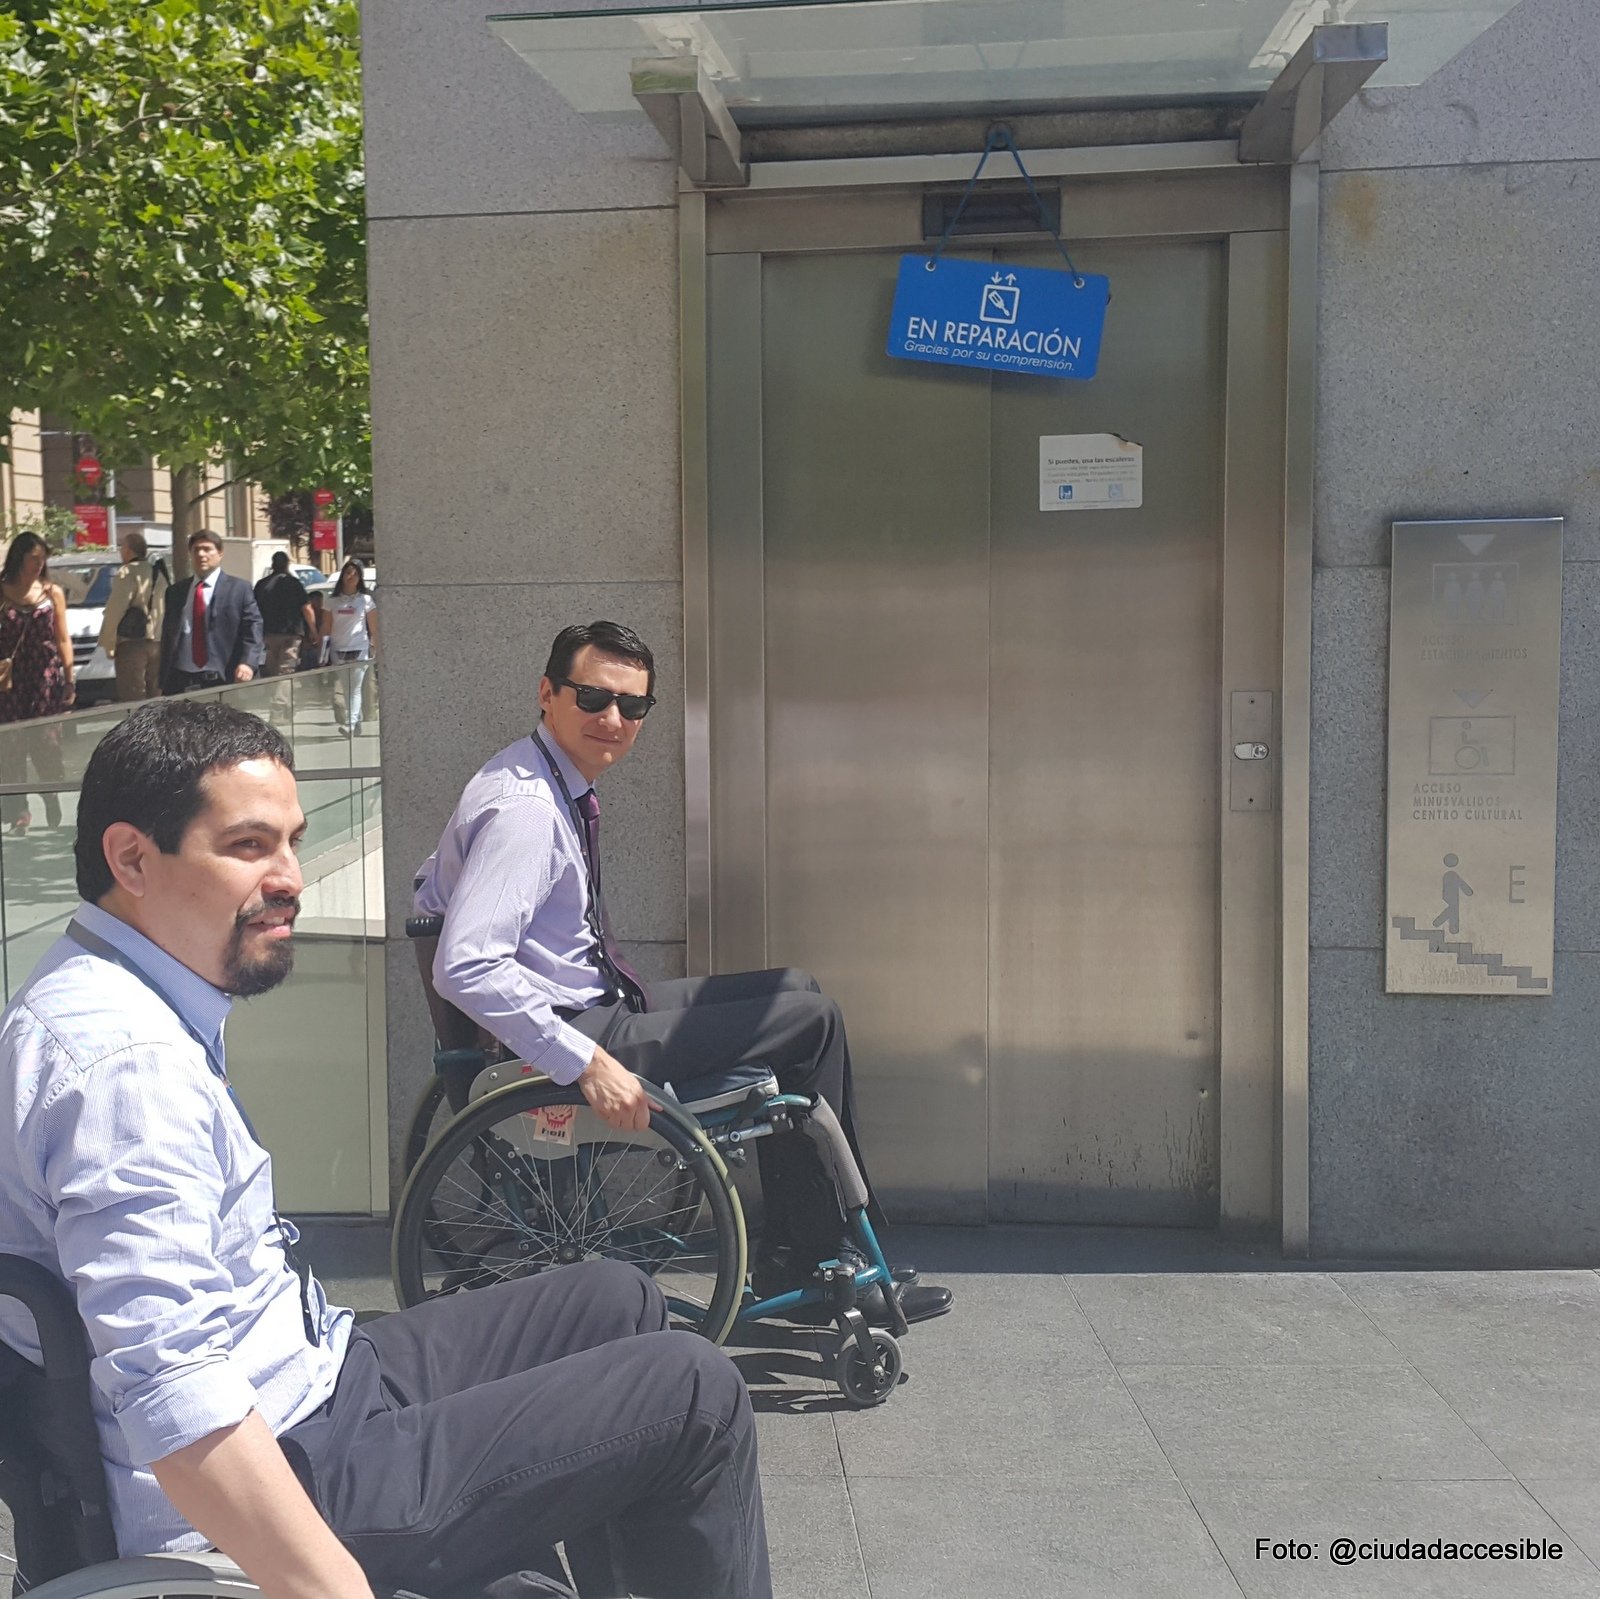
(1031, 320)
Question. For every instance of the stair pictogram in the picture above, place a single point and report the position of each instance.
(1466, 955)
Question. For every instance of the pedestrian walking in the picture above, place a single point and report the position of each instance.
(35, 674)
(350, 622)
(211, 631)
(130, 631)
(286, 616)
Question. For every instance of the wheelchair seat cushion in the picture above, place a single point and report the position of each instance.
(719, 1090)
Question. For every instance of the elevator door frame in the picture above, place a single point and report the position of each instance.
(1266, 219)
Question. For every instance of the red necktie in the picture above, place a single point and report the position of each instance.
(198, 642)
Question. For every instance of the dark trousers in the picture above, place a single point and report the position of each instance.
(186, 682)
(779, 1019)
(468, 1436)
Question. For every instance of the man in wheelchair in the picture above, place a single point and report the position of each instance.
(526, 951)
(446, 1449)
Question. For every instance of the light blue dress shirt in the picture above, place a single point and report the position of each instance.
(508, 877)
(127, 1170)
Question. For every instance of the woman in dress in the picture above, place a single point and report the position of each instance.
(35, 639)
(350, 624)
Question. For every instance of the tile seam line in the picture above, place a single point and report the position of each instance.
(1133, 1399)
(1577, 1546)
(1493, 1454)
(490, 216)
(850, 1499)
(1468, 166)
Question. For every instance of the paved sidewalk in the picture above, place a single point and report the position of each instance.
(1112, 1414)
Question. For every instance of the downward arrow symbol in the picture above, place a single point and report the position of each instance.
(1472, 698)
(1476, 542)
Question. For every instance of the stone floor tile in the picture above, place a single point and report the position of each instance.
(811, 1534)
(1575, 1507)
(1003, 1424)
(792, 1398)
(1317, 1514)
(1229, 1319)
(1315, 1422)
(955, 1540)
(1542, 1421)
(1521, 1318)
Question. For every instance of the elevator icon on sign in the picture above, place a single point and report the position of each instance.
(1001, 297)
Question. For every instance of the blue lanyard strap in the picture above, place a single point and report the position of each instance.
(96, 945)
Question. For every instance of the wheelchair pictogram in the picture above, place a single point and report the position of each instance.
(1472, 746)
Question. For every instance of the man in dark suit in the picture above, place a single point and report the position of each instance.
(211, 633)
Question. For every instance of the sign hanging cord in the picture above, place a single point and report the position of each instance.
(1000, 138)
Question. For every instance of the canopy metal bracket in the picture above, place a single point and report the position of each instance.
(1321, 78)
(687, 109)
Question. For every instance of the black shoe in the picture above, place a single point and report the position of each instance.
(903, 1276)
(775, 1271)
(920, 1303)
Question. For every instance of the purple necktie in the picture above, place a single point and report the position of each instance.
(622, 976)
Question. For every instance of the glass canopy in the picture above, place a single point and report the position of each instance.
(779, 62)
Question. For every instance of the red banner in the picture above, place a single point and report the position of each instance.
(325, 533)
(90, 471)
(94, 525)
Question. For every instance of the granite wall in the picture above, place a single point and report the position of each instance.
(1459, 324)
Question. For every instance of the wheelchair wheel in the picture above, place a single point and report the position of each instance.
(428, 1115)
(500, 1196)
(203, 1576)
(868, 1383)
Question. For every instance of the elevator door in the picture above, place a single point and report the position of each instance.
(990, 799)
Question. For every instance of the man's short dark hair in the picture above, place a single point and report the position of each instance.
(205, 536)
(148, 771)
(280, 561)
(610, 638)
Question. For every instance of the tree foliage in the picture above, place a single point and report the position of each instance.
(182, 239)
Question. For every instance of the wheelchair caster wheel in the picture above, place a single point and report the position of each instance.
(867, 1384)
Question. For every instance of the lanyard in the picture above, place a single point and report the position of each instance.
(96, 945)
(591, 868)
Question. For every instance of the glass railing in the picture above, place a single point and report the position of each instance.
(309, 1059)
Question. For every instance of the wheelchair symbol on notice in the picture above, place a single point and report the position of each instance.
(1064, 492)
(1000, 300)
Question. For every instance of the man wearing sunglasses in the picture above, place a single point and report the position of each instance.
(528, 953)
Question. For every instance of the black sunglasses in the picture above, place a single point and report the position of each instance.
(592, 700)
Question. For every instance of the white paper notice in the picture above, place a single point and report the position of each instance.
(1090, 472)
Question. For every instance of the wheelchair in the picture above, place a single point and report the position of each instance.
(508, 1173)
(51, 1476)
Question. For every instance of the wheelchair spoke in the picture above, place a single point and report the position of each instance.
(509, 1203)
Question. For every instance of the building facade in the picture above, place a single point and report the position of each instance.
(552, 307)
(41, 472)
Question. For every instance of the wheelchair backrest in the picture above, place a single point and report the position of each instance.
(51, 1474)
(452, 1028)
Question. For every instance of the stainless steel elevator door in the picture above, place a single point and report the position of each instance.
(991, 743)
(1103, 736)
(875, 502)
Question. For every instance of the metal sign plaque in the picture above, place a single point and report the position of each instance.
(1474, 683)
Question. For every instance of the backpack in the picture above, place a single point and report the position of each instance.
(135, 621)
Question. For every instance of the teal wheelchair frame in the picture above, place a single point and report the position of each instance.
(710, 1130)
